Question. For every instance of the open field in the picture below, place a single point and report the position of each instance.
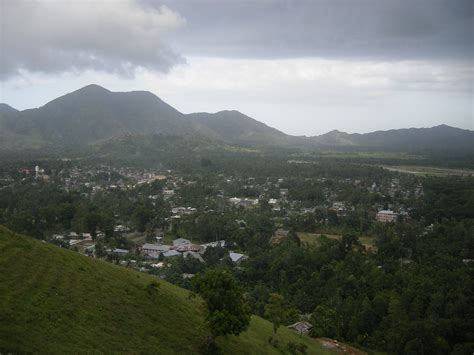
(428, 170)
(370, 155)
(313, 239)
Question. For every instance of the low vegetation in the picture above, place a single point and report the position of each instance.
(56, 301)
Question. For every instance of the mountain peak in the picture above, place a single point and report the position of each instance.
(229, 113)
(335, 133)
(444, 126)
(92, 88)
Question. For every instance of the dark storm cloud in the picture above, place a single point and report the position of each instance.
(366, 29)
(119, 36)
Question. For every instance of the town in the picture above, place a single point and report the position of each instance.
(174, 210)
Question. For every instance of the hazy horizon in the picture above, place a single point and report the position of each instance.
(29, 108)
(305, 67)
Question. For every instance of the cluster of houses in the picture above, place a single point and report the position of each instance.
(37, 172)
(96, 178)
(181, 247)
(275, 191)
(182, 211)
(272, 190)
(83, 242)
(243, 202)
(185, 248)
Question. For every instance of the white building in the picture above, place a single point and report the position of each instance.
(237, 258)
(386, 216)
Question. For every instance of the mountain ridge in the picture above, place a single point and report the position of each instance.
(94, 114)
(5, 108)
(438, 137)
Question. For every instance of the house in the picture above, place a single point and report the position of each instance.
(168, 194)
(171, 253)
(159, 265)
(301, 327)
(242, 223)
(308, 210)
(154, 250)
(87, 236)
(386, 216)
(195, 248)
(247, 202)
(219, 243)
(181, 241)
(183, 210)
(148, 247)
(281, 232)
(237, 258)
(121, 228)
(244, 202)
(340, 208)
(235, 200)
(119, 251)
(178, 210)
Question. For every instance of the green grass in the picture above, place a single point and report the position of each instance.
(56, 301)
(313, 239)
(256, 339)
(371, 155)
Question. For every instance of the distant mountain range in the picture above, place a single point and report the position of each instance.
(441, 137)
(94, 114)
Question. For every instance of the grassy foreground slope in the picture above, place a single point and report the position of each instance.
(57, 301)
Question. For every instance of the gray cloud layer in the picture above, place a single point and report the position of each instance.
(68, 35)
(367, 29)
(120, 36)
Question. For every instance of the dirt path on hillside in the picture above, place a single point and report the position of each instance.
(338, 347)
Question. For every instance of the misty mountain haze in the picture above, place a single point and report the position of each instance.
(93, 114)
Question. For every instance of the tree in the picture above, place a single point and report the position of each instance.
(275, 311)
(213, 255)
(325, 322)
(227, 311)
(141, 216)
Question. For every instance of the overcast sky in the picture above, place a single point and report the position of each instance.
(304, 67)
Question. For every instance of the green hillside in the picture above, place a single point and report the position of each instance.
(57, 301)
